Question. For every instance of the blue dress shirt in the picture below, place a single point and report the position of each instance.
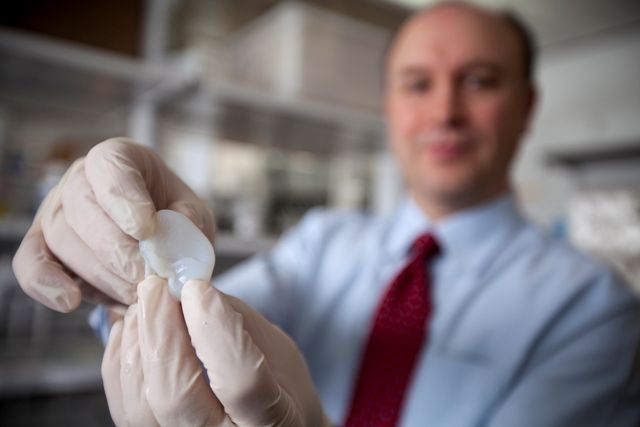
(526, 332)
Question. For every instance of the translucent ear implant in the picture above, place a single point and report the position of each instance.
(177, 251)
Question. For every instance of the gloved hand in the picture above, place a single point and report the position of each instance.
(257, 376)
(83, 240)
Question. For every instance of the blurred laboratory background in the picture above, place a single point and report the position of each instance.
(267, 108)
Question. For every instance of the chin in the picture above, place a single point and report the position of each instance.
(452, 185)
(454, 194)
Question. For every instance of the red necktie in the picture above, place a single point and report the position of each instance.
(395, 342)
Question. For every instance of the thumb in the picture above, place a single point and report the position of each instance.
(238, 371)
(176, 390)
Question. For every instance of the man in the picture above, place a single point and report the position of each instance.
(504, 328)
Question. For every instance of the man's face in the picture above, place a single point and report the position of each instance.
(457, 102)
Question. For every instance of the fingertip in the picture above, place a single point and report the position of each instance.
(194, 289)
(70, 300)
(116, 330)
(110, 358)
(134, 217)
(41, 277)
(58, 293)
(139, 223)
(130, 315)
(150, 284)
(200, 301)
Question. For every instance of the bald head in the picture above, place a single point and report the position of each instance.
(510, 25)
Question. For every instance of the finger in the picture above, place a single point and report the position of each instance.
(115, 313)
(136, 408)
(74, 254)
(199, 214)
(116, 250)
(176, 388)
(238, 371)
(283, 356)
(116, 170)
(110, 370)
(41, 275)
(130, 183)
(39, 272)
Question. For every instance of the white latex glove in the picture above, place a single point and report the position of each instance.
(83, 241)
(257, 376)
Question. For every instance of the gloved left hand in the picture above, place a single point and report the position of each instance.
(152, 368)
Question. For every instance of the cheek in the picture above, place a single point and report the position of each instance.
(501, 118)
(400, 124)
(497, 126)
(402, 120)
(488, 119)
(492, 123)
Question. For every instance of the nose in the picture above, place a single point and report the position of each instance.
(445, 106)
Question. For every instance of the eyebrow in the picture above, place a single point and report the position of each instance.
(485, 64)
(413, 70)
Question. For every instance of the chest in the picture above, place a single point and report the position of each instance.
(480, 330)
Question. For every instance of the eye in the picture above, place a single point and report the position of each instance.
(416, 86)
(480, 81)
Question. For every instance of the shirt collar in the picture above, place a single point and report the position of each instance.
(407, 223)
(471, 236)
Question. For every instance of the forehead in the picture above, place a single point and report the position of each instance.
(451, 36)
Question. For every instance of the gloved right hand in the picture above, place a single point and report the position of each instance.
(152, 366)
(83, 240)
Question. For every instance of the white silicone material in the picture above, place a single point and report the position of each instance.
(177, 251)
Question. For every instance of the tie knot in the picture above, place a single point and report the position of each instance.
(425, 246)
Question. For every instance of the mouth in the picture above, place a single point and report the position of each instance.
(444, 146)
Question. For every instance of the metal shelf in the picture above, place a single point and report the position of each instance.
(610, 153)
(39, 70)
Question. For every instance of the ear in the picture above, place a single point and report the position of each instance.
(532, 103)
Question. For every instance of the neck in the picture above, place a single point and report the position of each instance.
(437, 209)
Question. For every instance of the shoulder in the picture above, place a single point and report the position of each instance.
(572, 302)
(544, 249)
(548, 252)
(329, 225)
(556, 270)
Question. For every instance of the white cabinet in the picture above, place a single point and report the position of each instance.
(300, 51)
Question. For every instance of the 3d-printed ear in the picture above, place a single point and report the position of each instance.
(177, 251)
